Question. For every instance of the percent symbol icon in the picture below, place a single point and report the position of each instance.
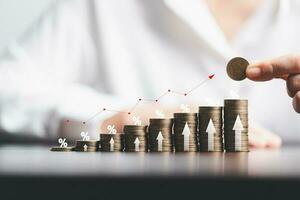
(85, 136)
(137, 121)
(111, 129)
(62, 142)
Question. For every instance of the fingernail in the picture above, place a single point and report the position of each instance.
(253, 72)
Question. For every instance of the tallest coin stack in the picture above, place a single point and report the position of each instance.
(236, 125)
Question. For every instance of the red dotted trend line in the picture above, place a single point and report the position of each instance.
(132, 109)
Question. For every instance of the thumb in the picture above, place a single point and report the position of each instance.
(279, 67)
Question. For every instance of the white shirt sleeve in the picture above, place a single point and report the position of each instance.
(43, 76)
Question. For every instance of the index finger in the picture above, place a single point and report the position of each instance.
(279, 67)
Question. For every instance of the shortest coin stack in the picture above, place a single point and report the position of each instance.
(135, 138)
(112, 142)
(87, 146)
(62, 149)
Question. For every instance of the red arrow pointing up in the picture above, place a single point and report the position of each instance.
(211, 76)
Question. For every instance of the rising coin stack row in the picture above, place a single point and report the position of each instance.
(187, 132)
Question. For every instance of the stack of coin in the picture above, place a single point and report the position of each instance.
(210, 128)
(135, 138)
(111, 142)
(62, 149)
(87, 145)
(185, 132)
(236, 125)
(160, 135)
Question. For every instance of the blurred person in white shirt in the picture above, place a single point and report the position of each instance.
(83, 56)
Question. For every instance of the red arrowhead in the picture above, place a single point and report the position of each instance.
(211, 76)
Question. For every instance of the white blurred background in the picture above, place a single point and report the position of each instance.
(17, 16)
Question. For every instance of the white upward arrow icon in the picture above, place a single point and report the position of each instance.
(137, 144)
(85, 147)
(112, 142)
(238, 128)
(186, 139)
(210, 135)
(159, 141)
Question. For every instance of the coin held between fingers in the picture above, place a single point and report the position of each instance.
(236, 68)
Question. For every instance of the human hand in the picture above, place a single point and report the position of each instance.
(260, 137)
(285, 67)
